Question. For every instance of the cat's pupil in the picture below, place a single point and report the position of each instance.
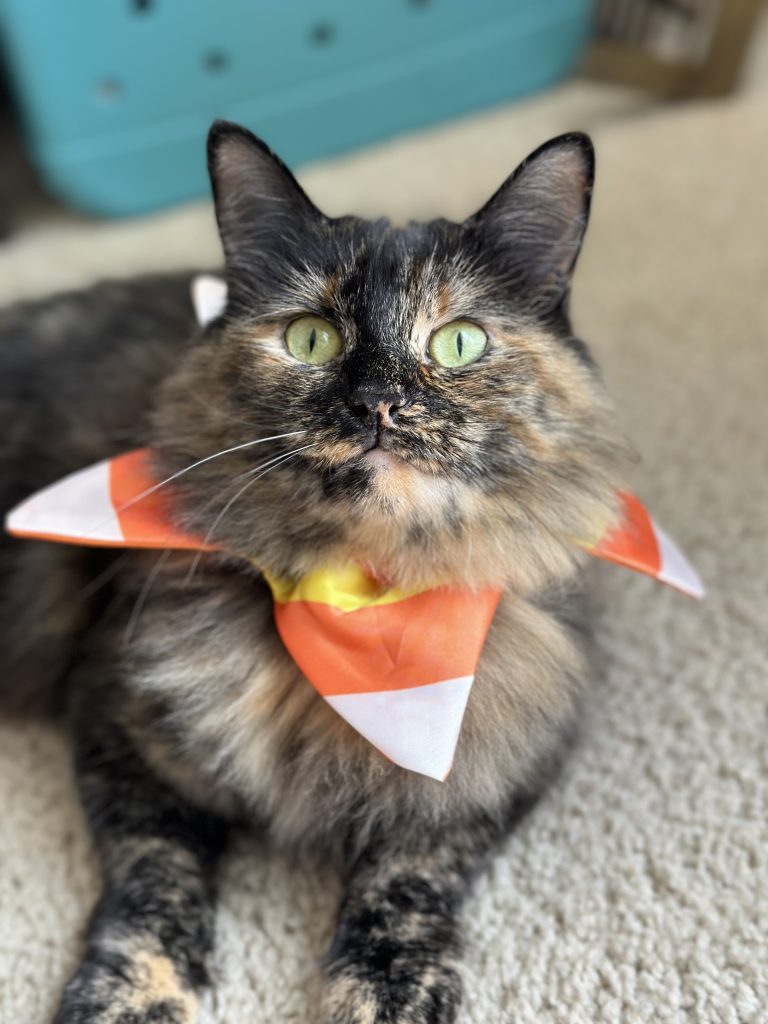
(459, 343)
(312, 339)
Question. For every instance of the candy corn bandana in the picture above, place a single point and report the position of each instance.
(397, 665)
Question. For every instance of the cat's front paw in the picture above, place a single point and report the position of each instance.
(414, 994)
(112, 988)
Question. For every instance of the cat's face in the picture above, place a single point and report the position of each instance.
(445, 424)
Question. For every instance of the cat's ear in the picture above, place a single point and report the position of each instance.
(255, 195)
(535, 223)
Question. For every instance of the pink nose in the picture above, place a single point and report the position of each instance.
(376, 406)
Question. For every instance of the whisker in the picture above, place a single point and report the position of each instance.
(91, 588)
(265, 467)
(208, 458)
(143, 595)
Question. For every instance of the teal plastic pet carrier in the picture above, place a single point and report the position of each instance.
(117, 95)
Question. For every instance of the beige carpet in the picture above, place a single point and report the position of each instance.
(638, 892)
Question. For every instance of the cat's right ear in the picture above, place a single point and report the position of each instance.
(257, 198)
(533, 226)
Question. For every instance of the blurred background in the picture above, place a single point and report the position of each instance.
(106, 103)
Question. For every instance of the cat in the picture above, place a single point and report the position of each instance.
(445, 425)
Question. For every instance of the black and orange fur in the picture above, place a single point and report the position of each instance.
(187, 713)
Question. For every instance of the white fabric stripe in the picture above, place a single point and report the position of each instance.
(209, 298)
(78, 507)
(675, 569)
(417, 728)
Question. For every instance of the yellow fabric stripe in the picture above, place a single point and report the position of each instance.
(347, 588)
(599, 532)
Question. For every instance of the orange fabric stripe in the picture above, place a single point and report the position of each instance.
(633, 543)
(146, 523)
(384, 647)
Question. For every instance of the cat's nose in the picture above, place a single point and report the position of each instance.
(376, 406)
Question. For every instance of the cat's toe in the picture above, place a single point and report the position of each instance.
(429, 996)
(115, 990)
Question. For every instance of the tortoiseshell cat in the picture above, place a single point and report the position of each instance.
(470, 456)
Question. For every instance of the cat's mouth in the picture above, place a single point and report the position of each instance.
(379, 457)
(380, 452)
(378, 441)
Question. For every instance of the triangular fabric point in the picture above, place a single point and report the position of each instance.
(114, 503)
(639, 543)
(417, 728)
(76, 508)
(676, 571)
(209, 298)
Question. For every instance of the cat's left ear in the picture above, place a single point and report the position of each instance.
(258, 201)
(534, 224)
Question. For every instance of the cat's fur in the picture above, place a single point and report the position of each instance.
(187, 712)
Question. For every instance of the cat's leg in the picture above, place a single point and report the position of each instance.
(151, 935)
(395, 956)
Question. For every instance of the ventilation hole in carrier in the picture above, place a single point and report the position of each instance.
(142, 6)
(107, 91)
(215, 61)
(321, 34)
(419, 3)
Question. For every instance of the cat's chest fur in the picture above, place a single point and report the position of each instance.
(222, 711)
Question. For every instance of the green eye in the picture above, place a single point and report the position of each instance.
(457, 344)
(312, 340)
